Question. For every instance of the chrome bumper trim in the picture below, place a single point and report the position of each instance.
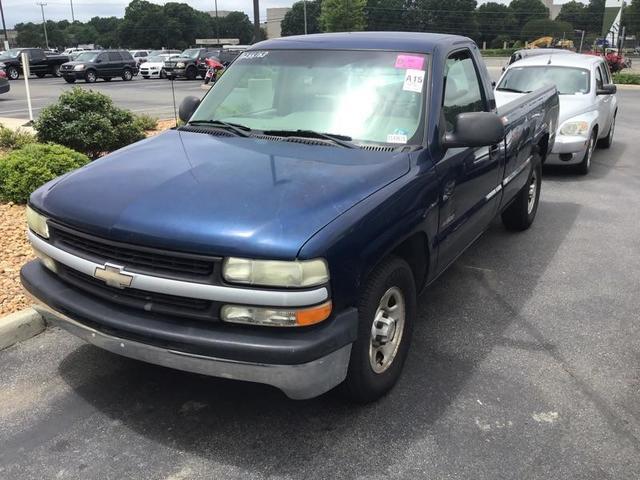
(202, 291)
(298, 382)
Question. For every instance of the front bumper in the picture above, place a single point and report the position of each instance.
(303, 363)
(567, 150)
(176, 72)
(150, 73)
(75, 74)
(5, 86)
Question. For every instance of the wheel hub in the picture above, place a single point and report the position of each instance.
(386, 330)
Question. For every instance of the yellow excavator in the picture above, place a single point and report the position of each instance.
(550, 42)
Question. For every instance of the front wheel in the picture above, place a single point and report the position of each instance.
(519, 215)
(607, 141)
(386, 311)
(13, 73)
(127, 75)
(56, 71)
(191, 73)
(163, 74)
(90, 77)
(584, 166)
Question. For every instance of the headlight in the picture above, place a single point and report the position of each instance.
(37, 223)
(77, 68)
(275, 273)
(180, 65)
(276, 317)
(575, 128)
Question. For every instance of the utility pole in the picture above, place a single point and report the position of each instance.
(73, 18)
(304, 4)
(217, 23)
(256, 21)
(4, 27)
(44, 24)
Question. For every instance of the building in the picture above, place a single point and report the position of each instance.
(274, 21)
(554, 8)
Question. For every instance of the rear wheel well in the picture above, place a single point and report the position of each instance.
(415, 251)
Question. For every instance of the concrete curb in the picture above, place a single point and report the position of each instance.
(20, 326)
(623, 86)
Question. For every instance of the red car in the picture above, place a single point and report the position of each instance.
(4, 82)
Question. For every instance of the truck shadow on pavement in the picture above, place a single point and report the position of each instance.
(462, 318)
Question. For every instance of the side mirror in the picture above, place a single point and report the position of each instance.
(475, 129)
(188, 107)
(609, 89)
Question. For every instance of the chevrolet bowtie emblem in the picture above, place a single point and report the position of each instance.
(113, 276)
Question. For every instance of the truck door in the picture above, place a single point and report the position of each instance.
(469, 177)
(37, 61)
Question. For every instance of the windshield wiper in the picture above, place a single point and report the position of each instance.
(240, 130)
(514, 90)
(342, 140)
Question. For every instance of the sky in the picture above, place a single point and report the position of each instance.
(16, 11)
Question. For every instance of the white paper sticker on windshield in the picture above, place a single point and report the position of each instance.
(396, 138)
(413, 80)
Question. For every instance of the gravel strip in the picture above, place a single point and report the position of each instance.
(14, 252)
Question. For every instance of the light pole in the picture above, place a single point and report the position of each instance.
(217, 24)
(4, 27)
(44, 24)
(304, 5)
(73, 18)
(256, 20)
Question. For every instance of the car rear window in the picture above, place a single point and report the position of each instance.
(126, 55)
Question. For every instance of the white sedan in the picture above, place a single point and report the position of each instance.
(588, 103)
(154, 66)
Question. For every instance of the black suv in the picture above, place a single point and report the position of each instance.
(190, 64)
(94, 64)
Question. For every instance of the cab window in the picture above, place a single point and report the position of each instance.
(462, 88)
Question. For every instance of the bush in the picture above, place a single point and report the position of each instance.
(10, 139)
(146, 122)
(625, 78)
(498, 52)
(25, 169)
(88, 122)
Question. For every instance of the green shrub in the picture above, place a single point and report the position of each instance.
(88, 122)
(146, 122)
(25, 169)
(10, 139)
(498, 52)
(625, 78)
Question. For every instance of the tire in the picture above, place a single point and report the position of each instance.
(70, 80)
(40, 75)
(191, 73)
(520, 214)
(583, 167)
(13, 73)
(127, 75)
(107, 79)
(374, 368)
(146, 77)
(90, 76)
(56, 71)
(163, 74)
(607, 141)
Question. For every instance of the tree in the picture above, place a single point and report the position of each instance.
(495, 20)
(527, 10)
(235, 25)
(547, 28)
(575, 13)
(343, 15)
(384, 15)
(293, 22)
(454, 16)
(595, 16)
(631, 17)
(30, 34)
(143, 24)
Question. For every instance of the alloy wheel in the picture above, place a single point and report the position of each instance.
(387, 329)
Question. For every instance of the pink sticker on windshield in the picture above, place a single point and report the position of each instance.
(414, 62)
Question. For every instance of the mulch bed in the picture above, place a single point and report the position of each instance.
(15, 251)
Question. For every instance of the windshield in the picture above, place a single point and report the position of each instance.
(371, 96)
(191, 53)
(157, 59)
(87, 57)
(568, 81)
(12, 53)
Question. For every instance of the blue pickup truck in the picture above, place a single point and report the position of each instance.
(282, 234)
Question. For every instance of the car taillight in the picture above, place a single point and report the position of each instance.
(3, 74)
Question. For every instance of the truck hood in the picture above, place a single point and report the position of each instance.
(217, 195)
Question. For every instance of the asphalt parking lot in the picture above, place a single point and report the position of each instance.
(152, 96)
(524, 364)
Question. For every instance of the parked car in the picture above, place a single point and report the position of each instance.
(283, 233)
(105, 64)
(534, 52)
(155, 53)
(5, 86)
(140, 56)
(588, 103)
(40, 64)
(154, 66)
(190, 64)
(70, 51)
